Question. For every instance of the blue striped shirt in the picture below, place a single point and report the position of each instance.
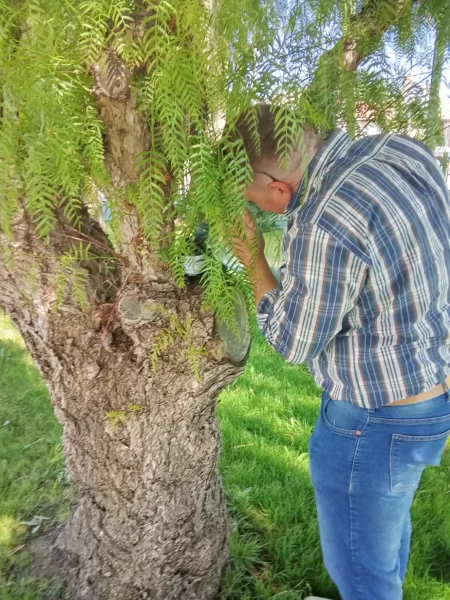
(364, 295)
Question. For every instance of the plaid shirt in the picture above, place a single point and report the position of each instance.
(364, 295)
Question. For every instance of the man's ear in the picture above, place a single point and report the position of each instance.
(281, 194)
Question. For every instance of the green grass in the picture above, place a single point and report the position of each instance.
(266, 417)
(33, 480)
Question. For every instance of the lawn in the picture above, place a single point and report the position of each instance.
(266, 418)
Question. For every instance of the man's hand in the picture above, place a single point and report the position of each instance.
(250, 246)
(249, 249)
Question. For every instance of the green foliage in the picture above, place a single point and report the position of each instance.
(162, 340)
(191, 63)
(179, 250)
(40, 189)
(287, 131)
(92, 143)
(71, 275)
(177, 330)
(150, 201)
(8, 175)
(102, 22)
(71, 278)
(193, 356)
(177, 333)
(220, 284)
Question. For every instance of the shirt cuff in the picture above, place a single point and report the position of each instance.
(265, 308)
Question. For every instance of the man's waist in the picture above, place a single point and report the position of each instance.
(434, 392)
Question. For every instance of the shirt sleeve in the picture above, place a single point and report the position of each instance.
(320, 283)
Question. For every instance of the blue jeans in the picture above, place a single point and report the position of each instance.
(366, 466)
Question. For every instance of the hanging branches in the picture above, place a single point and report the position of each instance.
(125, 98)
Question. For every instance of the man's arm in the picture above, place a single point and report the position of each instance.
(262, 278)
(319, 285)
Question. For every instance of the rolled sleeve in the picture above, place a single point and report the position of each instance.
(320, 283)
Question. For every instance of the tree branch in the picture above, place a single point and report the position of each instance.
(30, 266)
(434, 125)
(366, 30)
(127, 139)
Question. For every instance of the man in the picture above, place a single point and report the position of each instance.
(364, 298)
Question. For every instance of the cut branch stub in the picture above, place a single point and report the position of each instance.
(237, 343)
(136, 312)
(130, 309)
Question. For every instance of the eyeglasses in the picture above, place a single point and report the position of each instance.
(268, 175)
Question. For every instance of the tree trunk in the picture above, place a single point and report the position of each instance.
(134, 383)
(143, 450)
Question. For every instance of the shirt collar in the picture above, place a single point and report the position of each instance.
(335, 146)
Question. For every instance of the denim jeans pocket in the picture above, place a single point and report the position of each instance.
(410, 454)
